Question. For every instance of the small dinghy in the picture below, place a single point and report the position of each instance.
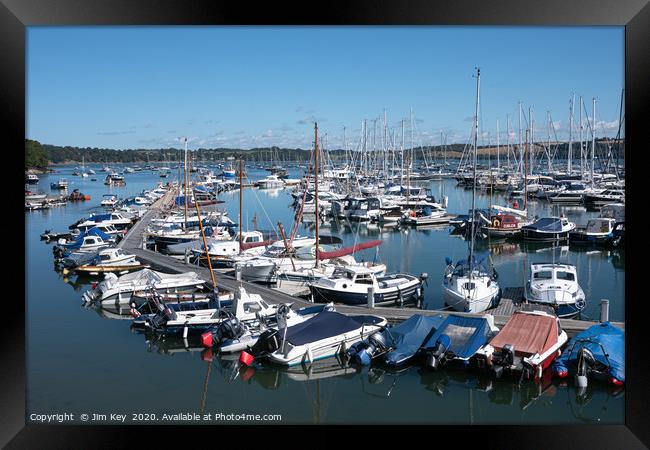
(324, 335)
(397, 344)
(597, 353)
(527, 344)
(457, 340)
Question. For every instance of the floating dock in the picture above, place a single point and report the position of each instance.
(512, 299)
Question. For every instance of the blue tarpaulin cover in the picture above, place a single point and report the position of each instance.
(92, 232)
(324, 325)
(407, 337)
(100, 217)
(547, 224)
(466, 335)
(595, 339)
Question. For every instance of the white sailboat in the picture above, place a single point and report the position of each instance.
(468, 286)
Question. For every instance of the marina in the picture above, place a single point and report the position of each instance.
(392, 244)
(299, 295)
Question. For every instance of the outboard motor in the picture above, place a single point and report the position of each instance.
(586, 363)
(268, 342)
(435, 356)
(375, 345)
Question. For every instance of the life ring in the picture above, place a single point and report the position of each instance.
(496, 223)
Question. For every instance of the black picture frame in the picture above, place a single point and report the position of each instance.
(16, 15)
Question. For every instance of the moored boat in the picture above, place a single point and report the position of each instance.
(555, 285)
(324, 335)
(548, 229)
(527, 344)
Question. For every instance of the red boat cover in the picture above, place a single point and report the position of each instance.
(247, 245)
(348, 250)
(528, 333)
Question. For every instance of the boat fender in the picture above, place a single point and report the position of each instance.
(309, 355)
(246, 358)
(615, 381)
(206, 339)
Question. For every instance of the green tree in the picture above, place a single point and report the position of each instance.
(35, 155)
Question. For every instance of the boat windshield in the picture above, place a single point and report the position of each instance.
(543, 275)
(568, 276)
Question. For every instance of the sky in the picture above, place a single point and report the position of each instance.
(246, 87)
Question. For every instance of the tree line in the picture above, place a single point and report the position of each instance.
(38, 155)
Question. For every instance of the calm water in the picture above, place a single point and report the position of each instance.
(81, 361)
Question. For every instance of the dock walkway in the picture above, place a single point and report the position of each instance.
(511, 301)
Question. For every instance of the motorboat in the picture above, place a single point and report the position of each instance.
(605, 197)
(31, 178)
(597, 353)
(117, 291)
(324, 335)
(244, 308)
(252, 243)
(573, 192)
(61, 184)
(598, 231)
(270, 182)
(76, 196)
(88, 241)
(351, 285)
(457, 340)
(398, 344)
(555, 285)
(234, 335)
(111, 260)
(526, 345)
(548, 229)
(427, 214)
(470, 287)
(109, 200)
(31, 196)
(117, 219)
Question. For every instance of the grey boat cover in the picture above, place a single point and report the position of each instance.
(547, 224)
(466, 335)
(326, 324)
(407, 337)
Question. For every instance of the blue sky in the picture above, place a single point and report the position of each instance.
(244, 87)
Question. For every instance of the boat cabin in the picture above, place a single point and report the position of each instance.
(600, 226)
(505, 221)
(554, 272)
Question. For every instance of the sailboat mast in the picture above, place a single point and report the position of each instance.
(471, 247)
(593, 139)
(241, 189)
(526, 173)
(186, 187)
(570, 155)
(316, 189)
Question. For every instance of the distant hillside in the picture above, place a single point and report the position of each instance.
(39, 154)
